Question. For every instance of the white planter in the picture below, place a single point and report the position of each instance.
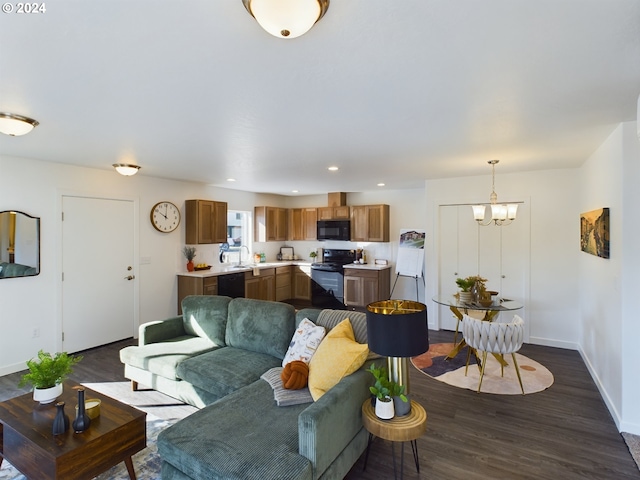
(465, 297)
(384, 410)
(47, 395)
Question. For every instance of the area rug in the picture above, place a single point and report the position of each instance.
(633, 444)
(535, 377)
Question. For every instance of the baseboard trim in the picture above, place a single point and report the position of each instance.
(550, 342)
(603, 391)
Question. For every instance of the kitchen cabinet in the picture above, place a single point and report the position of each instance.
(370, 223)
(205, 222)
(262, 286)
(333, 213)
(302, 223)
(270, 224)
(283, 283)
(363, 286)
(301, 282)
(195, 286)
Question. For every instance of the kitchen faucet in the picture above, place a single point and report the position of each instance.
(240, 254)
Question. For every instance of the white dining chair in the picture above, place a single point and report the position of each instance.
(493, 337)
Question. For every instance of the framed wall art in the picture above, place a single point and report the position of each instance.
(594, 232)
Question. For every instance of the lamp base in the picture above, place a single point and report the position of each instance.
(399, 373)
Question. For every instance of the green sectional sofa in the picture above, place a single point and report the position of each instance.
(213, 357)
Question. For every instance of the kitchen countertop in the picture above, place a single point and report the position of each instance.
(223, 269)
(367, 266)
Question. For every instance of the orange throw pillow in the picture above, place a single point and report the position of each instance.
(294, 375)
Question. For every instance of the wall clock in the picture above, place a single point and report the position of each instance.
(165, 217)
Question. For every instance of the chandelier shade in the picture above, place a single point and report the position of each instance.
(286, 18)
(501, 214)
(16, 125)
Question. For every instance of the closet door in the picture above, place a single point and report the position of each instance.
(499, 254)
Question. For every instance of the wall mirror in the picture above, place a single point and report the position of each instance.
(19, 244)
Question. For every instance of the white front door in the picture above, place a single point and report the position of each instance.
(98, 271)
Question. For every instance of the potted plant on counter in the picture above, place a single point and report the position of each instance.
(189, 253)
(313, 256)
(47, 373)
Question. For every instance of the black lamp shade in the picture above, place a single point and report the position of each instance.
(397, 328)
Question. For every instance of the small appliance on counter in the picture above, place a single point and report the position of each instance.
(286, 253)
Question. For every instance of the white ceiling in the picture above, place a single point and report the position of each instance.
(390, 91)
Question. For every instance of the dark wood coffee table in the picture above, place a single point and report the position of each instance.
(27, 442)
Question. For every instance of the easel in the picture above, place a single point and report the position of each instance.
(398, 275)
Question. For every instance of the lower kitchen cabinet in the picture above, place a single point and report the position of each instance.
(283, 283)
(301, 282)
(362, 287)
(195, 286)
(260, 287)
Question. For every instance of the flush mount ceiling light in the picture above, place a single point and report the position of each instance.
(126, 169)
(286, 18)
(500, 214)
(16, 125)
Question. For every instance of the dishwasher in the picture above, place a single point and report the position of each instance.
(231, 285)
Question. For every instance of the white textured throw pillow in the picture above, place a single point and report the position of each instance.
(305, 342)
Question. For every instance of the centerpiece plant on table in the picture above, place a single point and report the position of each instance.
(467, 285)
(47, 373)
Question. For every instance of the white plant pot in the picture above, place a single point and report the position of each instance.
(47, 395)
(465, 297)
(384, 410)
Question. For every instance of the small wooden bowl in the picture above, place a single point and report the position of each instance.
(91, 407)
(486, 303)
(208, 267)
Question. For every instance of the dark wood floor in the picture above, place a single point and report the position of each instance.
(565, 432)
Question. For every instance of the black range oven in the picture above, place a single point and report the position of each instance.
(327, 278)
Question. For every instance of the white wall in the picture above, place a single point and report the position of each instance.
(608, 342)
(551, 199)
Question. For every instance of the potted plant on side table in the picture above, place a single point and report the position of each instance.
(47, 373)
(386, 392)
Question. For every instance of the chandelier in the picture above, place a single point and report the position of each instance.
(501, 214)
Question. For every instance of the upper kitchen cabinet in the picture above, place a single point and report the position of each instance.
(206, 221)
(302, 223)
(370, 223)
(333, 213)
(270, 224)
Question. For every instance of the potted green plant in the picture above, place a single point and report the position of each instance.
(384, 407)
(401, 403)
(313, 256)
(189, 253)
(47, 373)
(466, 285)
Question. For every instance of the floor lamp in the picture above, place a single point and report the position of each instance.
(397, 329)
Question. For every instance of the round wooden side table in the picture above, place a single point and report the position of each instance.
(399, 429)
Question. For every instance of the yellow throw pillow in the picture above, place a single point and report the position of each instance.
(337, 356)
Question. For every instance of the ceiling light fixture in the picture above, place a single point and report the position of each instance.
(16, 125)
(126, 169)
(333, 169)
(286, 18)
(500, 214)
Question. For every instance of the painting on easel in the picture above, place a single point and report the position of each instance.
(594, 232)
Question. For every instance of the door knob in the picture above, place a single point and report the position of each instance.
(130, 277)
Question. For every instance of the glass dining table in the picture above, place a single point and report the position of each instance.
(488, 313)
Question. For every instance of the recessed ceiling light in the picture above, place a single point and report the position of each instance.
(294, 191)
(381, 184)
(231, 179)
(333, 169)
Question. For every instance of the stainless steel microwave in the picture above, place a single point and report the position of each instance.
(334, 230)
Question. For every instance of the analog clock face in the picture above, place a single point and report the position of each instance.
(165, 217)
